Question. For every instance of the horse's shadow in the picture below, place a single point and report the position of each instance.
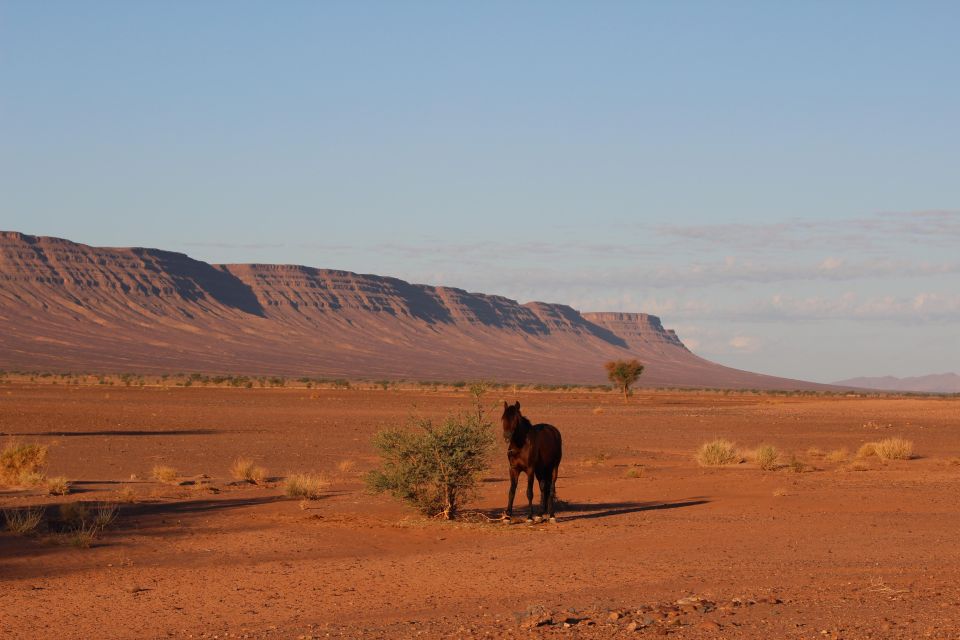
(592, 510)
(571, 511)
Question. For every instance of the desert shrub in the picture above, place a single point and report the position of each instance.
(717, 453)
(164, 473)
(58, 486)
(435, 468)
(22, 463)
(894, 449)
(104, 515)
(23, 522)
(244, 469)
(767, 457)
(83, 535)
(305, 485)
(838, 455)
(346, 466)
(867, 450)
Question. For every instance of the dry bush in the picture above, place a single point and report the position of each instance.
(718, 453)
(245, 470)
(767, 457)
(858, 465)
(127, 495)
(346, 466)
(23, 522)
(797, 465)
(22, 463)
(104, 515)
(867, 450)
(305, 485)
(83, 535)
(635, 472)
(58, 486)
(838, 455)
(894, 449)
(165, 474)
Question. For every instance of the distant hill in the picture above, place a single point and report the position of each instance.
(66, 306)
(933, 383)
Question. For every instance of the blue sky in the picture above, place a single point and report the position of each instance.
(778, 181)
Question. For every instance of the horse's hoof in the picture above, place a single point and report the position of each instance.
(529, 521)
(537, 518)
(553, 521)
(506, 520)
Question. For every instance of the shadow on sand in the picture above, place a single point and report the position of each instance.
(121, 432)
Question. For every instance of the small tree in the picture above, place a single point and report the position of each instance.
(624, 373)
(435, 468)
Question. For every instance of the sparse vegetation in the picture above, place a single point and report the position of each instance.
(435, 468)
(165, 474)
(23, 522)
(244, 469)
(346, 466)
(718, 453)
(894, 449)
(887, 449)
(767, 457)
(74, 514)
(838, 455)
(635, 471)
(58, 486)
(22, 463)
(797, 465)
(305, 485)
(623, 373)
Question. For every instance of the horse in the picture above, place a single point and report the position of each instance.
(534, 449)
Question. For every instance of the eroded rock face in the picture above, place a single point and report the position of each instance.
(69, 306)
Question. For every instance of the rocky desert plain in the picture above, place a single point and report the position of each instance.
(812, 529)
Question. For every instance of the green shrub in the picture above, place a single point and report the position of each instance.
(435, 468)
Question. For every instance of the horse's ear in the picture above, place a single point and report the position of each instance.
(517, 405)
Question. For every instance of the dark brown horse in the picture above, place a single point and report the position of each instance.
(534, 449)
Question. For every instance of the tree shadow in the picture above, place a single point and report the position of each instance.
(126, 432)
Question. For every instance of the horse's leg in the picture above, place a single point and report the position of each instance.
(541, 481)
(553, 491)
(514, 478)
(530, 495)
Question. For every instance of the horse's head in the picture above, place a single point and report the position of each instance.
(510, 419)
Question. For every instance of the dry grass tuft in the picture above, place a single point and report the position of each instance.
(838, 455)
(165, 474)
(797, 465)
(779, 493)
(346, 466)
(894, 449)
(104, 515)
(598, 411)
(767, 457)
(23, 522)
(83, 535)
(718, 453)
(636, 471)
(58, 486)
(305, 485)
(867, 450)
(22, 463)
(858, 465)
(245, 470)
(127, 495)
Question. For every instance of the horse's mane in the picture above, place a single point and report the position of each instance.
(524, 426)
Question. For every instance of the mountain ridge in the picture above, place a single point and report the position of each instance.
(931, 383)
(67, 305)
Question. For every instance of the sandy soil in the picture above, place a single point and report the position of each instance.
(832, 552)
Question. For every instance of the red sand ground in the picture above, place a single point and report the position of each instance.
(829, 553)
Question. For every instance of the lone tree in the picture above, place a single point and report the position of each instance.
(624, 373)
